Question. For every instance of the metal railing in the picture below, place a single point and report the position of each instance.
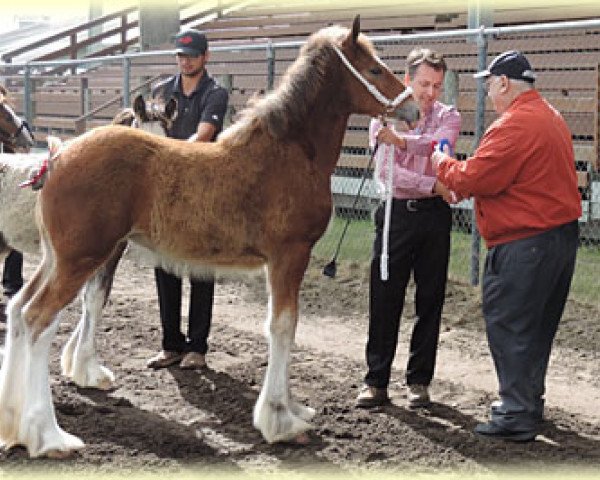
(472, 51)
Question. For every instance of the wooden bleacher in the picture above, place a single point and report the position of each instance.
(567, 63)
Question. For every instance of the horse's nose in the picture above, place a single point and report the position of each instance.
(409, 112)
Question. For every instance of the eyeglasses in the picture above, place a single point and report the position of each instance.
(421, 55)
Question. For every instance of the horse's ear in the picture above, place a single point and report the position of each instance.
(139, 105)
(171, 108)
(355, 28)
(351, 39)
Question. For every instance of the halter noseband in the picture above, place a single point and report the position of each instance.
(381, 98)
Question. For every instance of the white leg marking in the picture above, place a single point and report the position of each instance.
(273, 414)
(79, 360)
(26, 411)
(12, 375)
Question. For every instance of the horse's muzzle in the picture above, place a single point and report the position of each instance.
(408, 111)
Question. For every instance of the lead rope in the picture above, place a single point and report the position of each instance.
(387, 153)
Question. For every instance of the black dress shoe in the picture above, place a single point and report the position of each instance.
(491, 430)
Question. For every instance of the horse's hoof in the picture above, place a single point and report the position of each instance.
(61, 454)
(302, 439)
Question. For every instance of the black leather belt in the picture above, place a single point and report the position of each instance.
(419, 204)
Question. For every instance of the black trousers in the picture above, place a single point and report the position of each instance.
(12, 275)
(200, 313)
(525, 287)
(419, 243)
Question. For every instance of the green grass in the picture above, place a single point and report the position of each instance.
(357, 244)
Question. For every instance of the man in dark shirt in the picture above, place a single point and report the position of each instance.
(201, 108)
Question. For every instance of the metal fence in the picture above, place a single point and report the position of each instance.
(565, 55)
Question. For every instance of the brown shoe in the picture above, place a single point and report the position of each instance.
(418, 396)
(164, 358)
(370, 397)
(192, 361)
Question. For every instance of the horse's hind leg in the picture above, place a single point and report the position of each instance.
(79, 360)
(276, 414)
(26, 411)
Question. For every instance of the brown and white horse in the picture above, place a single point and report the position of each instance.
(259, 196)
(18, 230)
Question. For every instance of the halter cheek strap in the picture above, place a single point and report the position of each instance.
(381, 98)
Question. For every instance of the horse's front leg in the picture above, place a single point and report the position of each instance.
(79, 360)
(276, 414)
(27, 415)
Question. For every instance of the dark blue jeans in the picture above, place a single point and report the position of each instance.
(525, 287)
(419, 243)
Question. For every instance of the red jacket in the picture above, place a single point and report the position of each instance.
(522, 175)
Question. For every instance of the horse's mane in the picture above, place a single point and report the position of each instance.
(282, 113)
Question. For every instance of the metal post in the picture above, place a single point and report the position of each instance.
(479, 127)
(226, 82)
(126, 81)
(270, 66)
(28, 96)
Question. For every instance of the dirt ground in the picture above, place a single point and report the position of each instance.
(178, 420)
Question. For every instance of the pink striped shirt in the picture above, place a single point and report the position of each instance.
(414, 176)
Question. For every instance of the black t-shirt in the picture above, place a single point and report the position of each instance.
(207, 103)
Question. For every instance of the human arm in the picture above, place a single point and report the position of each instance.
(412, 173)
(212, 117)
(491, 169)
(205, 133)
(448, 128)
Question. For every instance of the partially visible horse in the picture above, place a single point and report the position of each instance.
(18, 231)
(14, 132)
(153, 115)
(259, 196)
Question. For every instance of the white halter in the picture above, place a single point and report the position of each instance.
(390, 104)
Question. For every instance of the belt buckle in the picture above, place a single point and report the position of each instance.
(411, 205)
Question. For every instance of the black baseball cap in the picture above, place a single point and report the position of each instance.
(191, 42)
(513, 64)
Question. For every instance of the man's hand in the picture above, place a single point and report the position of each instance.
(389, 136)
(448, 195)
(437, 157)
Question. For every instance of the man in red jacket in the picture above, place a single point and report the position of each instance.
(523, 179)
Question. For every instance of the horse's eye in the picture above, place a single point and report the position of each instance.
(376, 71)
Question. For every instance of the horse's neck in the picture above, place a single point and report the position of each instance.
(154, 127)
(326, 132)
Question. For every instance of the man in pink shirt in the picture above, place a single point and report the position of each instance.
(419, 238)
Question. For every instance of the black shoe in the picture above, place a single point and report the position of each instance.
(492, 430)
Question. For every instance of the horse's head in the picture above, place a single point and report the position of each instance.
(13, 131)
(156, 111)
(152, 116)
(372, 87)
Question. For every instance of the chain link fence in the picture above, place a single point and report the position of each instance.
(565, 55)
